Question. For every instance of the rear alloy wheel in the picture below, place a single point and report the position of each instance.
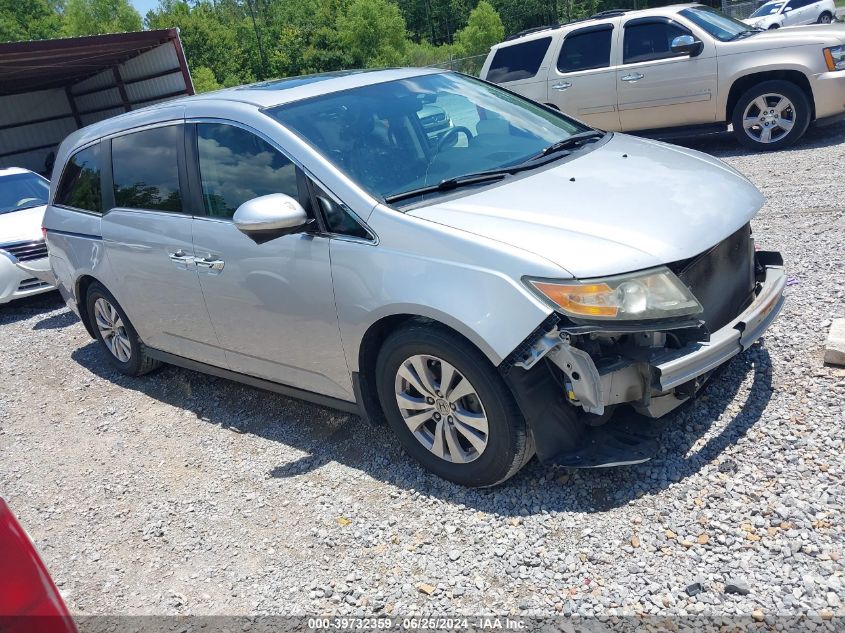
(115, 333)
(771, 116)
(825, 18)
(450, 408)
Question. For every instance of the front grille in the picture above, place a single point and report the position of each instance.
(722, 279)
(26, 251)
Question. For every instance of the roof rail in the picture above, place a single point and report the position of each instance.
(610, 13)
(535, 29)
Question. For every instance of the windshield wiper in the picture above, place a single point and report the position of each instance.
(569, 142)
(743, 34)
(449, 184)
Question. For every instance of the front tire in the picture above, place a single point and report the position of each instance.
(115, 333)
(771, 115)
(449, 407)
(825, 18)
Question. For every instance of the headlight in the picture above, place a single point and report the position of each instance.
(649, 294)
(835, 58)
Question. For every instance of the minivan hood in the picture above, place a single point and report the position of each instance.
(626, 205)
(21, 226)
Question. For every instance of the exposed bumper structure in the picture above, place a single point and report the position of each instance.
(654, 380)
(685, 365)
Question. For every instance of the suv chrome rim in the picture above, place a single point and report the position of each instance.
(769, 118)
(441, 408)
(112, 330)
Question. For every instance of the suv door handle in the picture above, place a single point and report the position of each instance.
(211, 263)
(633, 77)
(561, 85)
(181, 257)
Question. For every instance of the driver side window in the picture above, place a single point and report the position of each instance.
(650, 41)
(236, 166)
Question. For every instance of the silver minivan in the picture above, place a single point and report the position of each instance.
(518, 283)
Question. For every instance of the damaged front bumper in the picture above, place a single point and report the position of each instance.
(651, 376)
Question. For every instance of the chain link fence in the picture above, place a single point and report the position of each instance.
(741, 10)
(467, 65)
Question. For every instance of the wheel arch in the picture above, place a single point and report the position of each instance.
(745, 82)
(80, 290)
(379, 330)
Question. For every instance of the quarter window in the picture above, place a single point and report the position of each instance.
(585, 50)
(236, 166)
(145, 168)
(80, 184)
(518, 61)
(650, 41)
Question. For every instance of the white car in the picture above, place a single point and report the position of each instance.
(774, 15)
(23, 196)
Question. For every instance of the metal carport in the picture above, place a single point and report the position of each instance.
(49, 88)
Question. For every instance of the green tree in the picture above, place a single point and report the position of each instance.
(93, 17)
(373, 33)
(204, 79)
(29, 20)
(484, 29)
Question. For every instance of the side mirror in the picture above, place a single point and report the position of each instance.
(267, 217)
(687, 45)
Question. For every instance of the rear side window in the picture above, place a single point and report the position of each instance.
(236, 166)
(80, 184)
(145, 168)
(585, 50)
(650, 41)
(518, 61)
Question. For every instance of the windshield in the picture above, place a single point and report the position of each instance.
(716, 23)
(770, 8)
(402, 135)
(22, 191)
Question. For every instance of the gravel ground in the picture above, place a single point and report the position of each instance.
(180, 493)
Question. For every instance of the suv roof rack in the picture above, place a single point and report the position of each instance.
(610, 13)
(535, 29)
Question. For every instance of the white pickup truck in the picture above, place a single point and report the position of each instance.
(680, 70)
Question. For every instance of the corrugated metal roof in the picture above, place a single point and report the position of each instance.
(40, 64)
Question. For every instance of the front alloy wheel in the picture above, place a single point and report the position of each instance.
(441, 409)
(450, 407)
(771, 115)
(769, 118)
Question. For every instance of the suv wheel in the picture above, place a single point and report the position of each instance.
(115, 333)
(825, 18)
(450, 408)
(771, 115)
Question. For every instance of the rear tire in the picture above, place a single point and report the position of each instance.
(771, 115)
(114, 332)
(467, 429)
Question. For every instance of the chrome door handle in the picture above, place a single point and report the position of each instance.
(211, 263)
(181, 257)
(633, 77)
(561, 85)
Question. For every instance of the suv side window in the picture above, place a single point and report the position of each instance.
(145, 169)
(236, 166)
(518, 61)
(586, 49)
(649, 41)
(80, 184)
